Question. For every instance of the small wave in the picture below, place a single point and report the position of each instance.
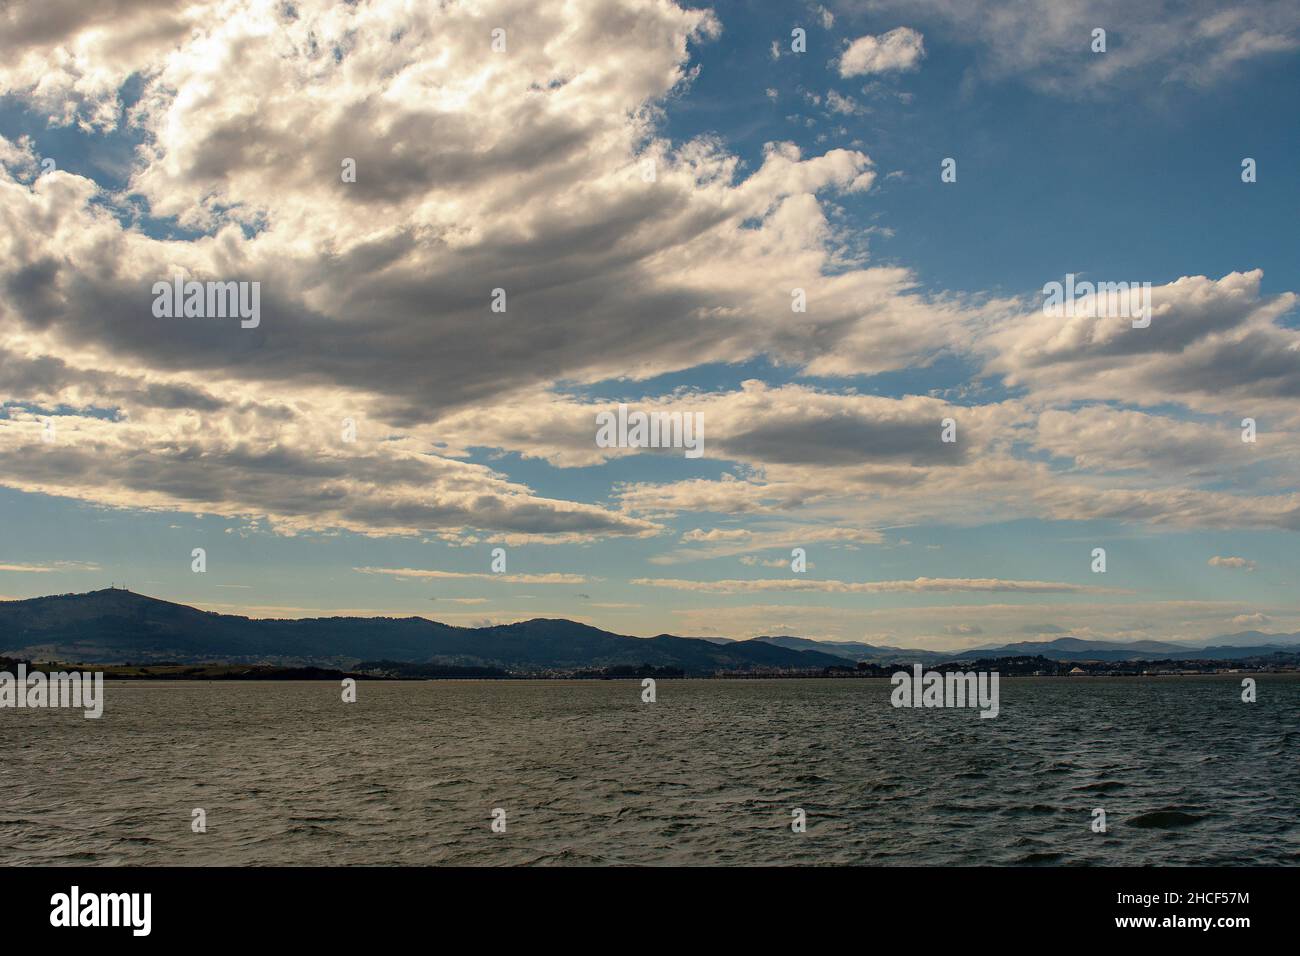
(1165, 819)
(308, 829)
(565, 857)
(1030, 859)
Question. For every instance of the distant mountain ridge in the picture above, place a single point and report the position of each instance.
(858, 651)
(116, 625)
(1227, 647)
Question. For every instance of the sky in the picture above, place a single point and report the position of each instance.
(822, 231)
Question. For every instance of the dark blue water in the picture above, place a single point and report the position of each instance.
(709, 774)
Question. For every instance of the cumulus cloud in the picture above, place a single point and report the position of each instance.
(1219, 561)
(1212, 344)
(49, 568)
(698, 544)
(846, 105)
(756, 423)
(1101, 438)
(475, 171)
(282, 462)
(523, 171)
(896, 51)
(70, 59)
(917, 585)
(1253, 619)
(554, 577)
(1195, 43)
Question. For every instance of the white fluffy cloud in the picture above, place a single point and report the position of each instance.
(523, 170)
(1048, 42)
(1219, 561)
(918, 585)
(896, 51)
(476, 170)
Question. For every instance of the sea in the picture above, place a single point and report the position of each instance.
(712, 772)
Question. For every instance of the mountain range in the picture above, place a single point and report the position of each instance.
(1226, 647)
(115, 625)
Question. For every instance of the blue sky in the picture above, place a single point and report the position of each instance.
(211, 146)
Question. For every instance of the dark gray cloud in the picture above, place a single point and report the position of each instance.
(845, 440)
